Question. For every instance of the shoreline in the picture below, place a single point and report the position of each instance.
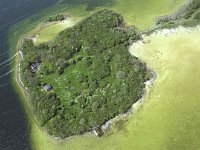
(135, 105)
(166, 32)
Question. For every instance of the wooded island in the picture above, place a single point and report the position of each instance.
(84, 76)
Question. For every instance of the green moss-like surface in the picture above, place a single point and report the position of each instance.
(170, 116)
(185, 16)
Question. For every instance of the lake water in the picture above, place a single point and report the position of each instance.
(170, 118)
(13, 127)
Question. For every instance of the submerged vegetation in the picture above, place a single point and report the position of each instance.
(58, 17)
(187, 15)
(91, 4)
(170, 117)
(94, 77)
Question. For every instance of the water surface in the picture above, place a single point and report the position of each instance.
(170, 118)
(13, 124)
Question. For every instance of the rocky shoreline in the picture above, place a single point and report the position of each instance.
(148, 83)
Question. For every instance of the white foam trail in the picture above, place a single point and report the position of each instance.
(21, 54)
(7, 73)
(3, 85)
(8, 59)
(5, 65)
(3, 53)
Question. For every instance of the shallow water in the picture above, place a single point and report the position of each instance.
(141, 13)
(170, 119)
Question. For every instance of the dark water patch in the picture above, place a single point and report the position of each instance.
(14, 133)
(13, 122)
(13, 130)
(14, 11)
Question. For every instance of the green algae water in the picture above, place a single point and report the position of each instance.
(141, 13)
(171, 115)
(169, 118)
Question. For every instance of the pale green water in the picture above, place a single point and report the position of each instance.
(141, 13)
(169, 119)
(171, 116)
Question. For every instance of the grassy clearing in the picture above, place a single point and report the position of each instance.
(61, 82)
(50, 31)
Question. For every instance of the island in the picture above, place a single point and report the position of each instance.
(85, 76)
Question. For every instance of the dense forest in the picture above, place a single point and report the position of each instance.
(99, 77)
